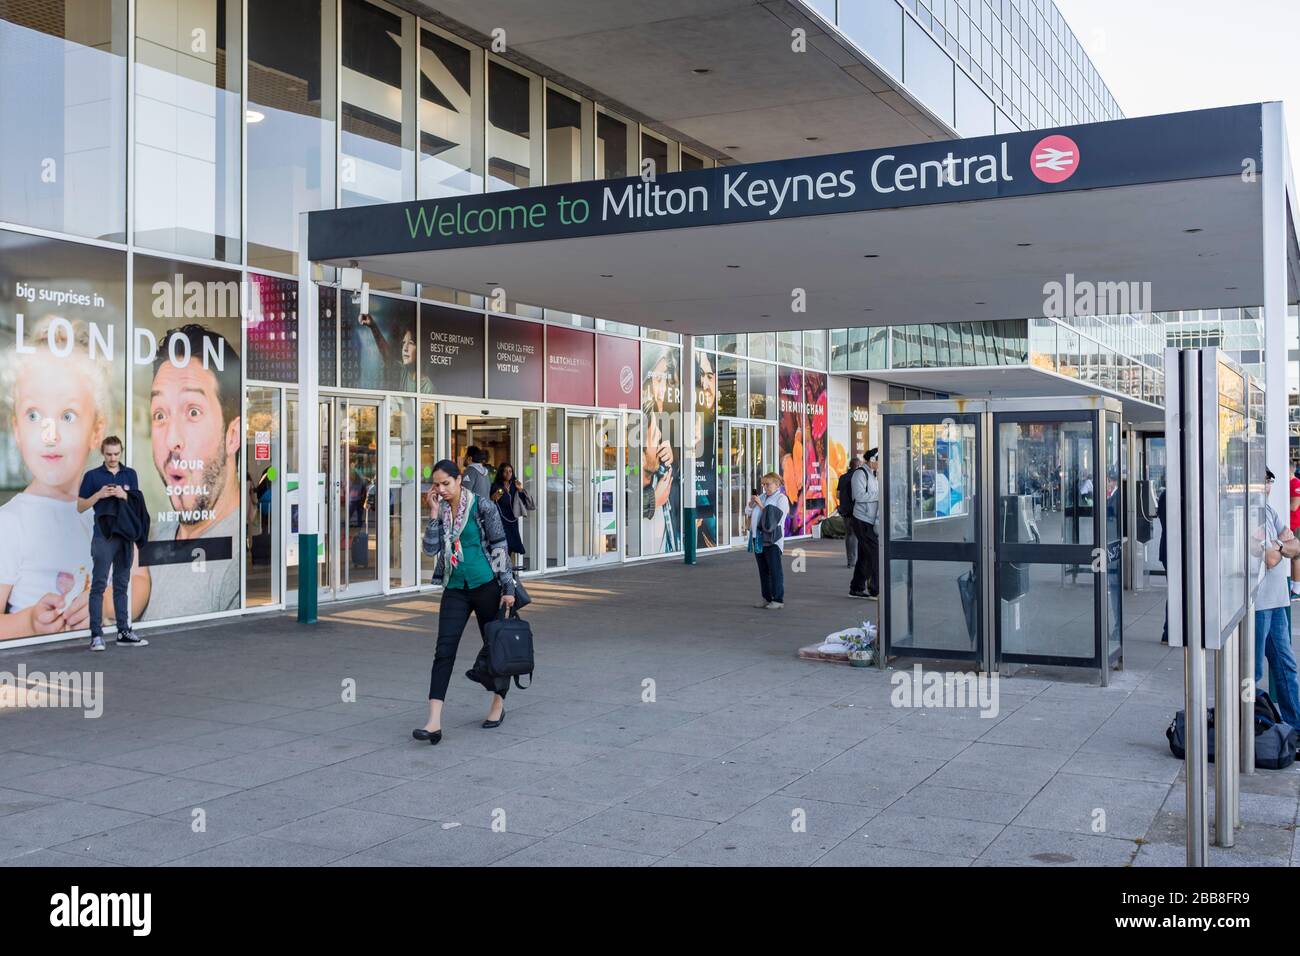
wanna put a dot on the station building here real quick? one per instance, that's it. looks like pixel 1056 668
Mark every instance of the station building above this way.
pixel 156 155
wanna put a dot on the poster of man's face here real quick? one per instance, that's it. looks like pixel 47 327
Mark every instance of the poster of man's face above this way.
pixel 186 435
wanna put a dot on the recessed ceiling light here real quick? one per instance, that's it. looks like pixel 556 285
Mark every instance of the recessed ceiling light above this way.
pixel 489 283
pixel 1024 245
pixel 764 316
pixel 812 139
pixel 254 116
pixel 667 320
pixel 701 70
pixel 868 310
pixel 1231 288
pixel 981 303
pixel 607 275
pixel 731 147
pixel 872 255
pixel 1189 231
pixel 733 267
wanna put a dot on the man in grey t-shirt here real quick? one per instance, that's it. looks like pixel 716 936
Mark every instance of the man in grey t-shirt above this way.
pixel 1277 543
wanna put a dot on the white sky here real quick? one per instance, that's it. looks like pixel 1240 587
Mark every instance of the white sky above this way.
pixel 1162 56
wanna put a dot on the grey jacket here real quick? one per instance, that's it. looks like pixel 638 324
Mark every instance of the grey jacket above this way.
pixel 492 539
pixel 866 496
pixel 477 479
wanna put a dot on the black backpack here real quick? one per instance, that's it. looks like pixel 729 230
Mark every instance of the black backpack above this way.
pixel 844 491
pixel 510 648
pixel 1275 740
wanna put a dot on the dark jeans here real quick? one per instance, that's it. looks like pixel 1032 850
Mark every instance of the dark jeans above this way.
pixel 865 576
pixel 771 573
pixel 453 615
pixel 105 554
pixel 1273 643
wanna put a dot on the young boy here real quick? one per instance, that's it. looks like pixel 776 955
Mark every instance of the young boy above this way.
pixel 58 413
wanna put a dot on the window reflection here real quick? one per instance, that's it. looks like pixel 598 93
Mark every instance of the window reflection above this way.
pixel 374 165
pixel 290 123
pixel 509 128
pixel 187 127
pixel 63 104
pixel 450 104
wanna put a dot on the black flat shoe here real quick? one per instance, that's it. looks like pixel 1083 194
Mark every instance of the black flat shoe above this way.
pixel 433 736
pixel 489 724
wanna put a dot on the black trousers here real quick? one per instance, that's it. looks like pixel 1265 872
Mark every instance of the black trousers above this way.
pixel 865 571
pixel 453 614
pixel 771 574
pixel 105 554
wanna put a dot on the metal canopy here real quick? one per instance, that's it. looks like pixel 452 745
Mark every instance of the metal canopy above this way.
pixel 1164 213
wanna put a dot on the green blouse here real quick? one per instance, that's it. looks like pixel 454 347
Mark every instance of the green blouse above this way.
pixel 473 570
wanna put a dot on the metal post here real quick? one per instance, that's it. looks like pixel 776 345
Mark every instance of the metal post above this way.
pixel 1246 660
pixel 308 430
pixel 1225 744
pixel 1183 502
pixel 690 407
pixel 986 495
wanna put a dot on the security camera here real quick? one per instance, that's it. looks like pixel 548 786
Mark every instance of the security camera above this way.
pixel 350 279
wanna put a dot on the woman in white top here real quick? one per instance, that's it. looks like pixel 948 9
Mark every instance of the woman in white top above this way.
pixel 767 513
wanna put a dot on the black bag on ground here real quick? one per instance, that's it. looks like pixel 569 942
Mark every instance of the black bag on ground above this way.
pixel 1275 740
pixel 510 648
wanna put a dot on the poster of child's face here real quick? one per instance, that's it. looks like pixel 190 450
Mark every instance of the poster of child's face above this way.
pixel 379 346
pixel 63 355
pixel 186 435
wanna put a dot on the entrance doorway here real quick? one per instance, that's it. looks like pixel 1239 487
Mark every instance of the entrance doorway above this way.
pixel 350 459
pixel 496 434
pixel 749 449
pixel 594 489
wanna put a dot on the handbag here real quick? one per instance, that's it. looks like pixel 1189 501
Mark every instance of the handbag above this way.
pixel 510 648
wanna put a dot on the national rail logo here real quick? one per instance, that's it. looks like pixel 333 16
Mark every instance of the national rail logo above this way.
pixel 1054 159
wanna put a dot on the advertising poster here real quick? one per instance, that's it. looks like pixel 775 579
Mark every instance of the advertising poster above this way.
pixel 452 362
pixel 815 472
pixel 378 347
pixel 860 415
pixel 516 360
pixel 790 438
pixel 837 438
pixel 271 329
pixel 661 449
pixel 706 451
pixel 327 322
pixel 63 358
pixel 618 370
pixel 570 366
pixel 186 434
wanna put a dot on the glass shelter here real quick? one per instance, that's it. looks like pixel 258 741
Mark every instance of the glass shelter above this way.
pixel 1002 539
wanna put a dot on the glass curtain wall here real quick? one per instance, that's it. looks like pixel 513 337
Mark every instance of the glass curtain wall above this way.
pixel 291 124
pixel 188 124
pixel 63 116
pixel 451 109
pixel 377 142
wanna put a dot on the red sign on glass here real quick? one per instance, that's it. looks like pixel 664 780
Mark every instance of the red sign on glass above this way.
pixel 618 372
pixel 570 366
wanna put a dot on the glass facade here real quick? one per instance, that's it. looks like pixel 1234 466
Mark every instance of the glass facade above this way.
pixel 246 113
pixel 982 66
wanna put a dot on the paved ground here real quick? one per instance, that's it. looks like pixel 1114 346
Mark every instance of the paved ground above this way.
pixel 242 727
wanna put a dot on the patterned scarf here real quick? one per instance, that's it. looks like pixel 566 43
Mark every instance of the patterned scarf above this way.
pixel 453 526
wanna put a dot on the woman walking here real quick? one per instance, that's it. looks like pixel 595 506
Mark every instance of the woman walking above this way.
pixel 465 533
pixel 767 513
pixel 514 502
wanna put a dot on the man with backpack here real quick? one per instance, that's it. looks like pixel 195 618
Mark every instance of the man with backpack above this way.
pixel 866 514
pixel 844 508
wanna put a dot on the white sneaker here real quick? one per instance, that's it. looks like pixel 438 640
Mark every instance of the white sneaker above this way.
pixel 774 604
pixel 762 604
